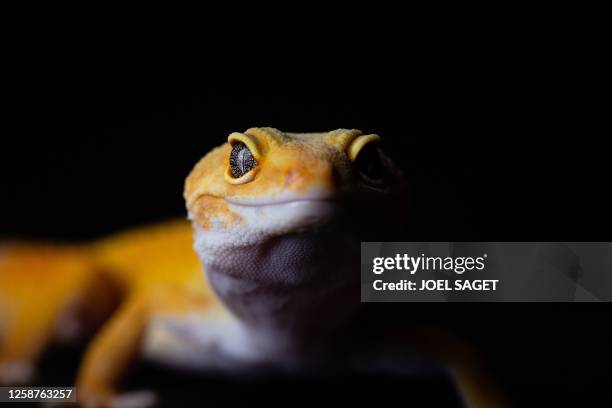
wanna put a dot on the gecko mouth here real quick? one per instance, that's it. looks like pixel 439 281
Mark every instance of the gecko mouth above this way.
pixel 287 204
pixel 296 214
pixel 280 214
pixel 282 200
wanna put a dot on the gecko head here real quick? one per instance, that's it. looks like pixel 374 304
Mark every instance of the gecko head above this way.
pixel 281 212
pixel 264 183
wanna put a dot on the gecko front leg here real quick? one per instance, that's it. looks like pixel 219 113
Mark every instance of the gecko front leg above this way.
pixel 120 342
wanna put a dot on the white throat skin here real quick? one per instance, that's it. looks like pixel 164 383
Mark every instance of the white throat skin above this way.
pixel 290 283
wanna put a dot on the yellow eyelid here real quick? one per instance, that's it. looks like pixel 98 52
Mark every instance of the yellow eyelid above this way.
pixel 240 180
pixel 249 141
pixel 358 144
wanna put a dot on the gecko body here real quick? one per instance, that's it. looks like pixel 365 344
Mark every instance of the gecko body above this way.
pixel 264 274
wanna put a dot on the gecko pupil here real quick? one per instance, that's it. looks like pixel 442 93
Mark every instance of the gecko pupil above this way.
pixel 241 160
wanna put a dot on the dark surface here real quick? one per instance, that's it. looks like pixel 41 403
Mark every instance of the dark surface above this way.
pixel 499 141
pixel 183 388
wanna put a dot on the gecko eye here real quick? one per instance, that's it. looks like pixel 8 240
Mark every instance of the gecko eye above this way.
pixel 369 163
pixel 241 160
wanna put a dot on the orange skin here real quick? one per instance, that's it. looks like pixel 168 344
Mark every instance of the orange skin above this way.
pixel 152 270
pixel 295 167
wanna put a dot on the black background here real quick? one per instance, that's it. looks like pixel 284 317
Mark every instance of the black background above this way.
pixel 500 141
